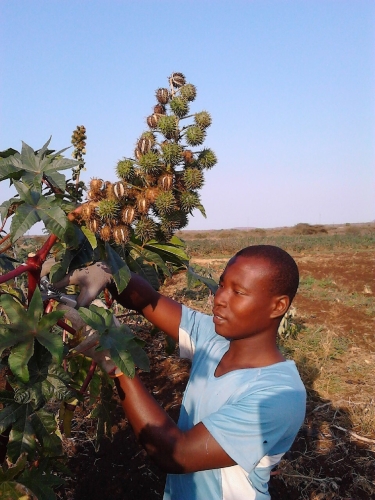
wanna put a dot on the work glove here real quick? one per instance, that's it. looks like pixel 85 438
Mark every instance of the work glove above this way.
pixel 91 279
pixel 91 339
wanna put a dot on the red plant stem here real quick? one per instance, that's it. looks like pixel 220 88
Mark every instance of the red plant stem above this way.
pixel 88 378
pixel 66 327
pixel 23 268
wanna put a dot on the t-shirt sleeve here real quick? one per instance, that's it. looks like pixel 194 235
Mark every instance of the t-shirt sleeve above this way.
pixel 248 429
pixel 192 323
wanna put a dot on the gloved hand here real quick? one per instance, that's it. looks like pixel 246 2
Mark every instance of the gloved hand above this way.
pixel 91 280
pixel 90 339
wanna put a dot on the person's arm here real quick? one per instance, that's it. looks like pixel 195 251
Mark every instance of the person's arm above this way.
pixel 173 450
pixel 161 311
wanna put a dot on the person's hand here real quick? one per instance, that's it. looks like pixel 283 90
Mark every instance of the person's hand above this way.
pixel 91 280
pixel 90 339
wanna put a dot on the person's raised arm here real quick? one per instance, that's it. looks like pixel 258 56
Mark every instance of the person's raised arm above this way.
pixel 161 311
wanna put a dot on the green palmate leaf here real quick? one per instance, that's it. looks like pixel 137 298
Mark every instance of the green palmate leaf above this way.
pixel 122 346
pixel 14 310
pixel 57 180
pixel 12 490
pixel 120 271
pixel 4 207
pixel 13 471
pixel 150 257
pixel 19 358
pixel 91 238
pixel 25 218
pixel 8 152
pixel 209 282
pixel 171 253
pixel 143 269
pixel 9 415
pixel 45 428
pixel 40 483
pixel 11 167
pixel 103 414
pixel 22 436
pixel 93 318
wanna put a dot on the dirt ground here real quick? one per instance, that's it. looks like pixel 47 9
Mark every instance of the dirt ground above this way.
pixel 330 459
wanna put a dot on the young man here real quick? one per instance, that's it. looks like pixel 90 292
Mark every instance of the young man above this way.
pixel 244 402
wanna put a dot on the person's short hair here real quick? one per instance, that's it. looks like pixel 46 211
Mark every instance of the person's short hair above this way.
pixel 285 278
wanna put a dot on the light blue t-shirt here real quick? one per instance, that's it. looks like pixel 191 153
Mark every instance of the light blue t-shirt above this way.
pixel 254 414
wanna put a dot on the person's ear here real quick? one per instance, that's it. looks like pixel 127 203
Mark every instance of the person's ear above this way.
pixel 280 306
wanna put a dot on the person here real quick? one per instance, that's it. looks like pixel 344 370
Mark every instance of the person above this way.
pixel 244 402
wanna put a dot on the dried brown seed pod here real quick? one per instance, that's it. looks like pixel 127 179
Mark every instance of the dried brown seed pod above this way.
pixel 96 185
pixel 106 233
pixel 128 214
pixel 159 109
pixel 121 234
pixel 152 121
pixel 177 80
pixel 188 156
pixel 143 204
pixel 165 182
pixel 162 95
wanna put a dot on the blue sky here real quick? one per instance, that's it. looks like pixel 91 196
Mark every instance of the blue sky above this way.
pixel 289 85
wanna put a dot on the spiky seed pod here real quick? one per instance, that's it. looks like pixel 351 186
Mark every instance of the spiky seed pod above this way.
pixel 137 154
pixel 125 169
pixel 120 190
pixel 106 233
pixel 94 225
pixel 145 229
pixel 168 126
pixel 159 109
pixel 108 209
pixel 188 201
pixel 195 135
pixel 149 135
pixel 193 178
pixel 88 210
pixel 177 80
pixel 152 193
pixel 143 204
pixel 179 106
pixel 109 193
pixel 171 223
pixel 179 183
pixel 165 203
pixel 121 234
pixel 206 158
pixel 188 92
pixel 172 153
pixel 165 182
pixel 128 214
pixel 96 185
pixel 162 95
pixel 203 119
pixel 144 145
pixel 150 162
pixel 188 156
pixel 93 196
pixel 152 120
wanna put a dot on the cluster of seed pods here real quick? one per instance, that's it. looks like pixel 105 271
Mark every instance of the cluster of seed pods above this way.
pixel 159 186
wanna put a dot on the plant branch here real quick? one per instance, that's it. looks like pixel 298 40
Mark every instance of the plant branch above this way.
pixel 354 435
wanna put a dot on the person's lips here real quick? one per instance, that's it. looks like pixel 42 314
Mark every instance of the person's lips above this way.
pixel 218 318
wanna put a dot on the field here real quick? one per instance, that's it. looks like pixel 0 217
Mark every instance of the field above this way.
pixel 331 338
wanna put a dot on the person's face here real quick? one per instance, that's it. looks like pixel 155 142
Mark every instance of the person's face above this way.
pixel 243 304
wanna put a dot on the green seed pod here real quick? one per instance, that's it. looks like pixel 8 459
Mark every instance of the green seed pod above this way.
pixel 195 135
pixel 165 182
pixel 168 126
pixel 149 162
pixel 203 119
pixel 188 201
pixel 121 234
pixel 179 106
pixel 165 203
pixel 188 92
pixel 106 233
pixel 162 95
pixel 108 209
pixel 145 229
pixel 125 169
pixel 173 222
pixel 177 80
pixel 128 214
pixel 172 153
pixel 206 158
pixel 193 178
pixel 152 121
pixel 159 109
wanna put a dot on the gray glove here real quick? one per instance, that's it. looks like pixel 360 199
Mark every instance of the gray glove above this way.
pixel 91 279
